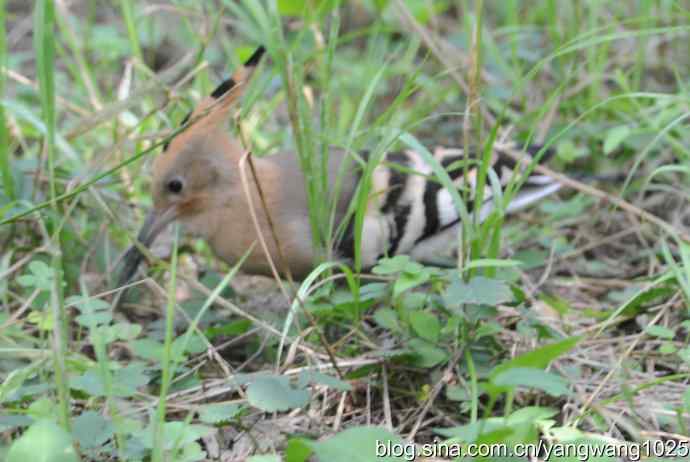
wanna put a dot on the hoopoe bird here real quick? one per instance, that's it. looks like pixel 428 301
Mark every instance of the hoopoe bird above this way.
pixel 196 181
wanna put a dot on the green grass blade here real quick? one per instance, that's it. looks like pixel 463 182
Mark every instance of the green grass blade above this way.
pixel 168 360
pixel 5 170
pixel 44 48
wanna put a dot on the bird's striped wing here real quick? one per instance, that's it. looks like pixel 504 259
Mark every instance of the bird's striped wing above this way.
pixel 411 213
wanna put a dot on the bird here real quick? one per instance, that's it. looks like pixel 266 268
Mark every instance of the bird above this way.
pixel 196 181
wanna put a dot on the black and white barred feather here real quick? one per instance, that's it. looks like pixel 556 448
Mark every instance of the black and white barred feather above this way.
pixel 413 214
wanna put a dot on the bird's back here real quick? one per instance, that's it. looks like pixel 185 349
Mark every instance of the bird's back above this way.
pixel 408 210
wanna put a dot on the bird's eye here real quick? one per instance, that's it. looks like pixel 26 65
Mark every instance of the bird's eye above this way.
pixel 175 186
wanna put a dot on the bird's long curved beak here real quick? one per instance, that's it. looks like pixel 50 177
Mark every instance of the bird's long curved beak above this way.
pixel 155 222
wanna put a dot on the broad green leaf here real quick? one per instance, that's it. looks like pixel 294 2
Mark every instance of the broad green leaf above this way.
pixel 44 441
pixel 427 355
pixel 274 393
pixel 573 207
pixel 531 414
pixel 615 137
pixel 387 318
pixel 40 276
pixel 361 444
pixel 531 377
pixel 684 354
pixel 9 422
pixel 479 290
pixel 538 358
pixel 394 265
pixel 42 408
pixel 230 329
pixel 667 348
pixel 469 433
pixel 426 325
pixel 87 304
pixel 297 450
pixel 92 429
pixel 94 319
pixel 304 7
pixel 177 434
pixel 125 381
pixel 15 380
pixel 408 280
pixel 521 426
pixel 220 412
pixel 42 319
pixel 315 377
pixel 151 349
pixel 265 458
pixel 569 152
pixel 457 393
pixel 660 331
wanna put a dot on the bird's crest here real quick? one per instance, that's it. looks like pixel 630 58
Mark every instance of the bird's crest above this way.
pixel 214 110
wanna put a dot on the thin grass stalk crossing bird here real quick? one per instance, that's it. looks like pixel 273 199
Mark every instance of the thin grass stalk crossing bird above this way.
pixel 196 181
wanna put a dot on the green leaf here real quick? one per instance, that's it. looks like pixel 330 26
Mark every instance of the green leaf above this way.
pixel 15 380
pixel 660 331
pixel 229 329
pixel 426 325
pixel 427 355
pixel 469 433
pixel 531 414
pixel 667 348
pixel 274 393
pixel 538 358
pixel 95 319
pixel 42 408
pixel 315 377
pixel 424 10
pixel 40 276
pixel 304 7
pixel 42 319
pixel 479 290
pixel 387 318
pixel 11 422
pixel 615 137
pixel 218 413
pixel 457 393
pixel 408 280
pixel 531 377
pixel 94 311
pixel 125 381
pixel 92 429
pixel 569 152
pixel 394 265
pixel 297 450
pixel 87 304
pixel 491 263
pixel 361 444
pixel 684 354
pixel 44 441
pixel 177 434
pixel 265 458
pixel 561 306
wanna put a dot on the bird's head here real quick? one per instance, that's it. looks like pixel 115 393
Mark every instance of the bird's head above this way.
pixel 190 175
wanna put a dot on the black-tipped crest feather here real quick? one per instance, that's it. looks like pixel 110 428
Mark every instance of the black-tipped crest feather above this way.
pixel 255 57
pixel 228 84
